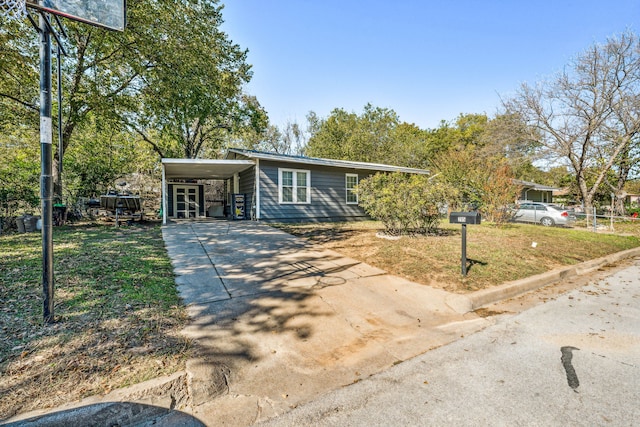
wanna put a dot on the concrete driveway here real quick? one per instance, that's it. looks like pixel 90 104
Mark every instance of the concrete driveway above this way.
pixel 278 322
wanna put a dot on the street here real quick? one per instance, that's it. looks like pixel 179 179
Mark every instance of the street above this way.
pixel 572 361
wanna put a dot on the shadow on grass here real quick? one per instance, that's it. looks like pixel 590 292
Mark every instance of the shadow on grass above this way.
pixel 473 262
pixel 117 312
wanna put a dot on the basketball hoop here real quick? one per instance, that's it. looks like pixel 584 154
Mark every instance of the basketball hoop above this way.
pixel 13 9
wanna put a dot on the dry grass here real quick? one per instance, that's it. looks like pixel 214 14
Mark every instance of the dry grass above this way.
pixel 118 315
pixel 495 254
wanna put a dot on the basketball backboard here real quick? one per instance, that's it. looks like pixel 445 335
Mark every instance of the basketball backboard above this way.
pixel 110 14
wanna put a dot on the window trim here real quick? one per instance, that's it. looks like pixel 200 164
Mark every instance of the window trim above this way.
pixel 294 186
pixel 352 190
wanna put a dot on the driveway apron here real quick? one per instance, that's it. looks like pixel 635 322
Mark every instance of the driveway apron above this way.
pixel 280 322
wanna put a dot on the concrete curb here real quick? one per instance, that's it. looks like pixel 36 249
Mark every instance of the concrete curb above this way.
pixel 151 399
pixel 466 303
pixel 160 398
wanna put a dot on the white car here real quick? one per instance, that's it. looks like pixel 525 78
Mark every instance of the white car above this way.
pixel 543 213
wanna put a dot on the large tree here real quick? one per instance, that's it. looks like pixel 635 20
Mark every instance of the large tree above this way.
pixel 172 76
pixel 588 116
pixel 377 135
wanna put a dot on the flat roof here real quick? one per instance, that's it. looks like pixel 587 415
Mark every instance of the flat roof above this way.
pixel 261 155
pixel 203 168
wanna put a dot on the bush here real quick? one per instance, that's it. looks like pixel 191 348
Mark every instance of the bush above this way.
pixel 405 203
pixel 632 209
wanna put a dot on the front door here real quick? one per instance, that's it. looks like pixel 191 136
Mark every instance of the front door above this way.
pixel 186 201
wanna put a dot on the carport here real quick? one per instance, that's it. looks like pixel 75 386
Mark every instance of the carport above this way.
pixel 174 170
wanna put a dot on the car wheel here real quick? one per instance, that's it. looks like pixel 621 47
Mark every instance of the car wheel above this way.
pixel 547 222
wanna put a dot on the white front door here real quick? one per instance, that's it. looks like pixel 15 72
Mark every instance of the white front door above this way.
pixel 186 201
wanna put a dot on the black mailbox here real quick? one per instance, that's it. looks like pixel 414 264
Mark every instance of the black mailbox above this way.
pixel 464 218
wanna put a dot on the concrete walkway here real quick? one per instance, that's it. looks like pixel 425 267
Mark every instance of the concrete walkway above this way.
pixel 278 323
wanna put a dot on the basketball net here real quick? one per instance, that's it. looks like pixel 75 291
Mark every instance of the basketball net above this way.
pixel 13 9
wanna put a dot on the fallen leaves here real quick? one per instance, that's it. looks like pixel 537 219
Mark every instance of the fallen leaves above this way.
pixel 118 316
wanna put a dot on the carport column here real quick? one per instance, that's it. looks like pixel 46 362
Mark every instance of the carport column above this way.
pixel 257 190
pixel 164 197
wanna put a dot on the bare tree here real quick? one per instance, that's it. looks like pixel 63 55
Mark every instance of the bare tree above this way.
pixel 588 116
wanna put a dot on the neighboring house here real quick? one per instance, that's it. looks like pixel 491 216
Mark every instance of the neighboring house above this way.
pixel 632 199
pixel 268 187
pixel 535 192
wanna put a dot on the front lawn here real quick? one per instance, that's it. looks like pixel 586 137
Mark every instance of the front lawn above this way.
pixel 118 315
pixel 496 254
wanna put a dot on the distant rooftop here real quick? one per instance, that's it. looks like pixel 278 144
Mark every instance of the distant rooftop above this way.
pixel 534 185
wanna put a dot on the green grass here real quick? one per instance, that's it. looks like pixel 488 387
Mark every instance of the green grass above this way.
pixel 497 254
pixel 117 311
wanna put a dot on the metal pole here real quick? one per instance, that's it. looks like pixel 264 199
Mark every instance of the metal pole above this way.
pixel 464 249
pixel 46 183
pixel 60 142
pixel 612 206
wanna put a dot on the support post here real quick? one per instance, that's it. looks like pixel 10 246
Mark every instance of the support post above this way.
pixel 464 249
pixel 46 181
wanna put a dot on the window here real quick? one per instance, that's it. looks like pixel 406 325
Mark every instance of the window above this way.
pixel 351 181
pixel 294 186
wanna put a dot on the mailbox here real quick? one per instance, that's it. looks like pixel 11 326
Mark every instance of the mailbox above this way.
pixel 464 218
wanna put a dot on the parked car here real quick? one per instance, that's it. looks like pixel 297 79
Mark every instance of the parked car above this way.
pixel 543 213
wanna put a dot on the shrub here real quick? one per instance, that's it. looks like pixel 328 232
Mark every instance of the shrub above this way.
pixel 405 203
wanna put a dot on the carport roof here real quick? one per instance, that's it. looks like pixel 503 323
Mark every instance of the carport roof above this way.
pixel 203 168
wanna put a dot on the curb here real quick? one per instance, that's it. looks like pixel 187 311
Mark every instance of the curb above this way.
pixel 160 401
pixel 466 303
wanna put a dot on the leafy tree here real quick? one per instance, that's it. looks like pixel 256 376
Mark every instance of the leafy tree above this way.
pixel 498 192
pixel 484 183
pixel 374 136
pixel 172 76
pixel 589 114
pixel 19 172
pixel 291 139
pixel 459 168
pixel 101 155
pixel 377 135
pixel 412 147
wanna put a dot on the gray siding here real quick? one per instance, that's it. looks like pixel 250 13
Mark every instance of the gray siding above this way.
pixel 328 194
pixel 246 186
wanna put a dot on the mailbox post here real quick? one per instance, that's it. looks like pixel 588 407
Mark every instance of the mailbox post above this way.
pixel 464 218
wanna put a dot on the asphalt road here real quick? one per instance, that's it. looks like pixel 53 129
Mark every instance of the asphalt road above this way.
pixel 572 361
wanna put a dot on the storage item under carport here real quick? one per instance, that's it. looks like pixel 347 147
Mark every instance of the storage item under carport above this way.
pixel 238 206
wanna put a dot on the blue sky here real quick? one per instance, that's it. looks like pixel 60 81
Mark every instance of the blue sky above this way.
pixel 428 60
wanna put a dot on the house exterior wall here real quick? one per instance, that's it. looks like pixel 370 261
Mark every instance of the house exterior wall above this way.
pixel 247 185
pixel 536 195
pixel 327 196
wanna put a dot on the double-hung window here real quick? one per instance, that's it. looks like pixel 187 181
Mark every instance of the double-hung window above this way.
pixel 294 186
pixel 351 182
